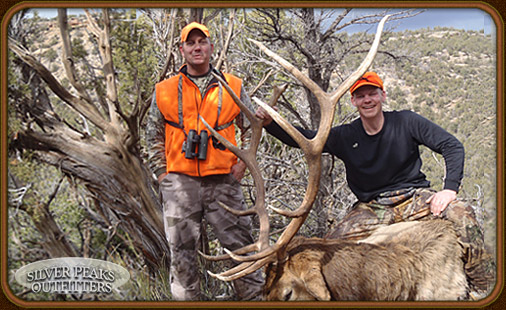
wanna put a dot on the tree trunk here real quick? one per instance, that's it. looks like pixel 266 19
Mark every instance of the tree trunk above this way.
pixel 109 163
pixel 114 176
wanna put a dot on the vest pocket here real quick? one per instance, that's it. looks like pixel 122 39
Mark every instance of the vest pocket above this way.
pixel 176 162
pixel 218 160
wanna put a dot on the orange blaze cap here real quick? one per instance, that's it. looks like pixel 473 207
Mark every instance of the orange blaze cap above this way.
pixel 369 78
pixel 191 26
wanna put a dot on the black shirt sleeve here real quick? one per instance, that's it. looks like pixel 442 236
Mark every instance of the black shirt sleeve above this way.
pixel 440 141
pixel 274 129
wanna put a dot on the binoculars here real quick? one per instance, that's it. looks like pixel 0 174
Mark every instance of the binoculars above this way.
pixel 196 145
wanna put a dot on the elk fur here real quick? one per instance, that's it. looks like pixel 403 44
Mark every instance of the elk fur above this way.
pixel 405 261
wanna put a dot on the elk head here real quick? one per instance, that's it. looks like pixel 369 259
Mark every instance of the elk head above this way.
pixel 297 278
pixel 261 253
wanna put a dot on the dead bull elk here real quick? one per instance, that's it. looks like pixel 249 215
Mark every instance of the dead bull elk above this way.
pixel 415 263
pixel 398 269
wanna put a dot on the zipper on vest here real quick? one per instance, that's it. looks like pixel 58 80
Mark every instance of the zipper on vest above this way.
pixel 198 104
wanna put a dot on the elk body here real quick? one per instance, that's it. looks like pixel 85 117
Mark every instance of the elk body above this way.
pixel 406 261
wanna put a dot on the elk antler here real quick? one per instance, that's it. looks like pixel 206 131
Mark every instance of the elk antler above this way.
pixel 312 149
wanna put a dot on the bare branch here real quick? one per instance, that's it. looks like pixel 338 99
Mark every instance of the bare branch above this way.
pixel 67 59
pixel 89 111
pixel 104 47
pixel 225 47
pixel 333 27
pixel 262 82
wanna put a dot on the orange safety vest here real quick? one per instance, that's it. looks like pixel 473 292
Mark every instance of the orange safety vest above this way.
pixel 181 103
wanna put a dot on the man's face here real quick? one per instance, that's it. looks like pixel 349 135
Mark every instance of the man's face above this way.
pixel 197 52
pixel 368 99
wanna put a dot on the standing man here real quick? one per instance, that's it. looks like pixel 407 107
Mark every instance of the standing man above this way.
pixel 195 172
pixel 380 152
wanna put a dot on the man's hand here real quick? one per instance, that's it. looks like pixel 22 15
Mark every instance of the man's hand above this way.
pixel 263 115
pixel 238 170
pixel 440 200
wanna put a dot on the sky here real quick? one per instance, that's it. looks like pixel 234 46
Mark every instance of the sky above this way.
pixel 467 19
pixel 463 18
pixel 460 18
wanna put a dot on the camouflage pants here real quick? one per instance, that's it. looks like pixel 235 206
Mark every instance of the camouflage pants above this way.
pixel 186 201
pixel 410 205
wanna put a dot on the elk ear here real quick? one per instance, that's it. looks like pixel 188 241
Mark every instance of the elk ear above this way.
pixel 315 284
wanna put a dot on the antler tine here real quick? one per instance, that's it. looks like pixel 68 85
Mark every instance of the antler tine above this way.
pixel 256 124
pixel 238 255
pixel 294 133
pixel 248 211
pixel 339 92
pixel 243 269
pixel 249 114
pixel 244 250
pixel 320 95
pixel 310 84
pixel 278 91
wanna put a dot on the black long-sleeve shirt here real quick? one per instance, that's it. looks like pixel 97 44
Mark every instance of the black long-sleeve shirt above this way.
pixel 390 159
